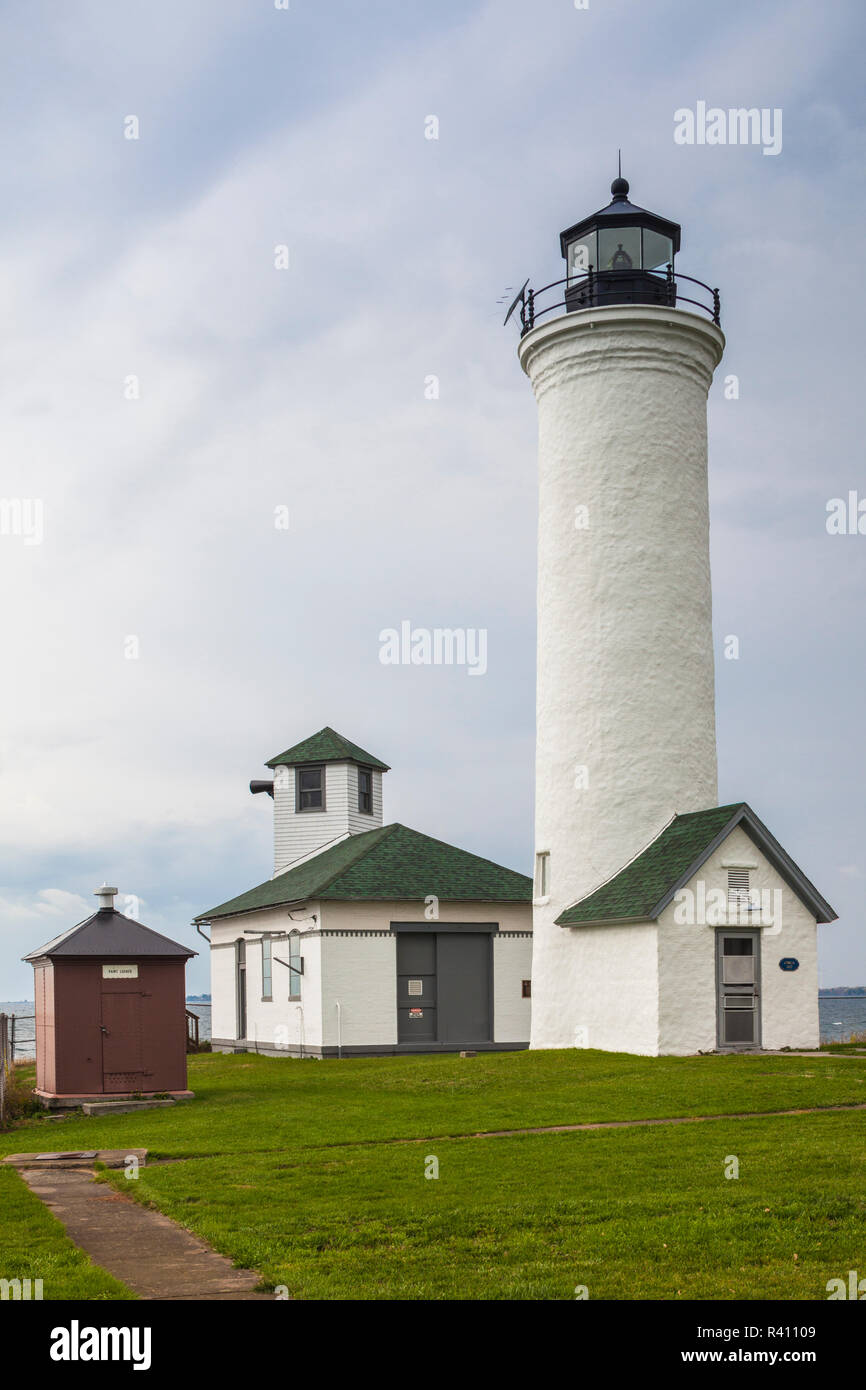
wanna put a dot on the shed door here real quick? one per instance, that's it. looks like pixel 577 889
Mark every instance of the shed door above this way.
pixel 738 978
pixel 122 1054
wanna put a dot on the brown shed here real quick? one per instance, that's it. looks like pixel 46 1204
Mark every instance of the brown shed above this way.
pixel 110 1010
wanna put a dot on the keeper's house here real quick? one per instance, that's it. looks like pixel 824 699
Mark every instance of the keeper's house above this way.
pixel 369 938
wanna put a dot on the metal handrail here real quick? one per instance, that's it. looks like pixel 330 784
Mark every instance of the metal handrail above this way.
pixel 669 277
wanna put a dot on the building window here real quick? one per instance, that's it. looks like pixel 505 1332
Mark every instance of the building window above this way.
pixel 296 965
pixel 365 790
pixel 542 874
pixel 311 789
pixel 266 968
pixel 526 989
pixel 241 986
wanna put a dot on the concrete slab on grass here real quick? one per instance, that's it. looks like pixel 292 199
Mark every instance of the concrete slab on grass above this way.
pixel 78 1159
pixel 122 1107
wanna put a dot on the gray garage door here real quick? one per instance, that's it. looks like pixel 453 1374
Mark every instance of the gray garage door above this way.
pixel 444 987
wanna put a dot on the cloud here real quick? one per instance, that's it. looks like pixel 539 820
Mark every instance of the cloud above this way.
pixel 45 904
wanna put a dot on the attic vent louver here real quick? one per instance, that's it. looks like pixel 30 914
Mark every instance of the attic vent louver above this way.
pixel 738 887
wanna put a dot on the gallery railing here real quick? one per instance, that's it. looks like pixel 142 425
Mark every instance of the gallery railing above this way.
pixel 597 289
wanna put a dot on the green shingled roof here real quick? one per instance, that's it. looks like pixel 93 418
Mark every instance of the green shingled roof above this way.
pixel 327 746
pixel 638 891
pixel 391 862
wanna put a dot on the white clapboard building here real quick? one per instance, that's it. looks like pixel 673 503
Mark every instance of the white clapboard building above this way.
pixel 368 938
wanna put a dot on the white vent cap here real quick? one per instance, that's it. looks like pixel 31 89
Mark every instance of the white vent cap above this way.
pixel 106 897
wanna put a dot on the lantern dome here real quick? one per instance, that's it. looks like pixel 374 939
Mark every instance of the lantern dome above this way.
pixel 623 254
pixel 611 254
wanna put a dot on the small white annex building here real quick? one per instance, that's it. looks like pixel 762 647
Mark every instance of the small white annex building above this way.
pixel 706 941
pixel 368 938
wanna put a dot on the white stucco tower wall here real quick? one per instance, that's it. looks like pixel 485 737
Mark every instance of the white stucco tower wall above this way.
pixel 625 686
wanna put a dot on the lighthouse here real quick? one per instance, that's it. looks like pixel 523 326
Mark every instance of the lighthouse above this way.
pixel 662 922
pixel 620 364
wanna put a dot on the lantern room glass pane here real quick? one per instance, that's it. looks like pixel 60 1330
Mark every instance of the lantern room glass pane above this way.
pixel 582 255
pixel 657 250
pixel 619 248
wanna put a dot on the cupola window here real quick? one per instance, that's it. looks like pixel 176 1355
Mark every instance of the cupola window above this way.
pixel 311 789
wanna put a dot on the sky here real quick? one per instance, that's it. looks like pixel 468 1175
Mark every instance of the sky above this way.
pixel 167 390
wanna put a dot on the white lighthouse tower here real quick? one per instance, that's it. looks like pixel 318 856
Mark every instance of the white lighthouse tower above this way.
pixel 620 362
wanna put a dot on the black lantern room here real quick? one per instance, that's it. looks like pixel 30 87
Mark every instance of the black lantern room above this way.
pixel 621 255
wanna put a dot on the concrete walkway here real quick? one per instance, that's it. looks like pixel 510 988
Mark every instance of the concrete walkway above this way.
pixel 152 1255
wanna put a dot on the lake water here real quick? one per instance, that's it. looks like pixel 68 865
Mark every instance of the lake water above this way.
pixel 840 1016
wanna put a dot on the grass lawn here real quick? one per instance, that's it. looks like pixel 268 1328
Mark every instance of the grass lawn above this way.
pixel 286 1167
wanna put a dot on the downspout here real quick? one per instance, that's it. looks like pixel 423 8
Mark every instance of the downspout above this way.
pixel 207 939
pixel 300 1010
pixel 339 1009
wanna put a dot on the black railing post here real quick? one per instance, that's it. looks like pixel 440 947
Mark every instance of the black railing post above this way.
pixel 671 292
pixel 590 287
pixel 717 309
pixel 530 304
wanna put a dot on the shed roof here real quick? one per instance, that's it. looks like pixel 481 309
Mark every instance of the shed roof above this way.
pixel 643 888
pixel 327 746
pixel 389 863
pixel 110 933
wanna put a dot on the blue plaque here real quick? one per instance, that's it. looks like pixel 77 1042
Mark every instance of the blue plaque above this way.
pixel 789 963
